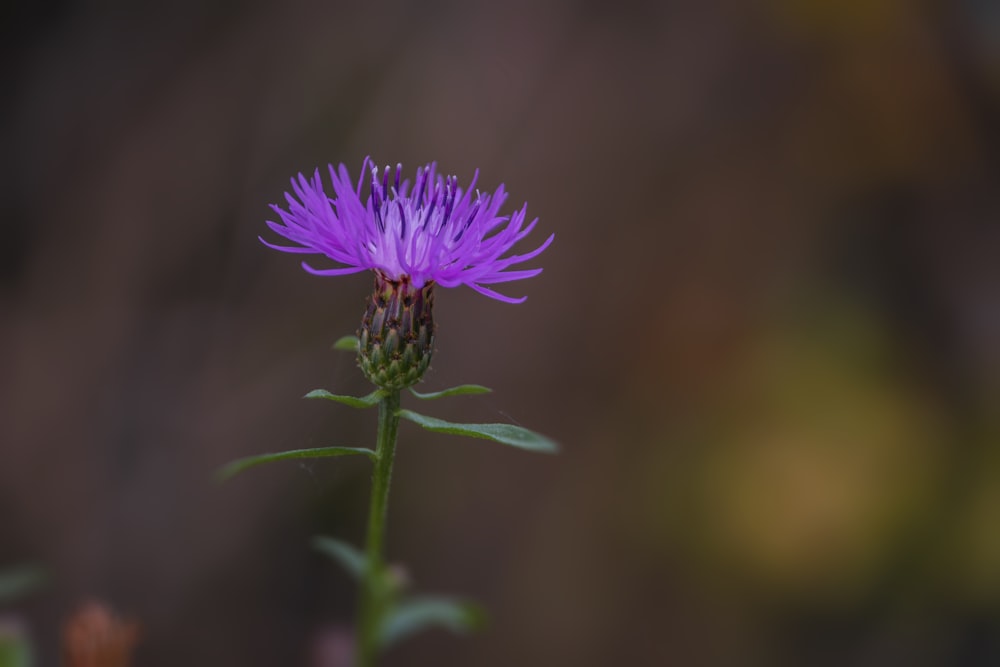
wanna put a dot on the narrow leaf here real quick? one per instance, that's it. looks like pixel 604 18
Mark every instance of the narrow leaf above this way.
pixel 352 559
pixel 460 390
pixel 416 614
pixel 353 401
pixel 347 343
pixel 507 434
pixel 16 582
pixel 239 465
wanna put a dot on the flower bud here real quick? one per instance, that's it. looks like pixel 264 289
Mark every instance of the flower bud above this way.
pixel 397 333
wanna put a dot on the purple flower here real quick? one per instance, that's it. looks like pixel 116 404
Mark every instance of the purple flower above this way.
pixel 436 233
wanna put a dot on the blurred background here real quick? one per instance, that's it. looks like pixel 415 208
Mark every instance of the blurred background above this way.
pixel 767 334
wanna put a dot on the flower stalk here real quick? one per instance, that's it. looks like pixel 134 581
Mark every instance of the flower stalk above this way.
pixel 415 237
pixel 375 587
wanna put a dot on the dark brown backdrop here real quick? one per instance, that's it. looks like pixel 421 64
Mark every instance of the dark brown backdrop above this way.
pixel 767 333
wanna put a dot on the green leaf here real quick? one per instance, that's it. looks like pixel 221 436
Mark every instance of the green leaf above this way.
pixel 507 434
pixel 15 650
pixel 351 558
pixel 18 581
pixel 353 401
pixel 460 390
pixel 419 613
pixel 347 343
pixel 239 465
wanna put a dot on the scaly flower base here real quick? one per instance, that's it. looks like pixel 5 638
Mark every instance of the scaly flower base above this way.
pixel 397 333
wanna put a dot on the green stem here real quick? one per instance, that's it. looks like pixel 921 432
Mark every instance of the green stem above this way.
pixel 374 591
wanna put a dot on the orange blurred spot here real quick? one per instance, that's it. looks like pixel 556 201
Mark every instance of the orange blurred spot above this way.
pixel 95 637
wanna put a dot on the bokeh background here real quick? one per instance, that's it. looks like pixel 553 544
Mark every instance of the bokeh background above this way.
pixel 767 335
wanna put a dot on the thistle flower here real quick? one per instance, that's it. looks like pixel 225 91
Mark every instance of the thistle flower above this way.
pixel 413 239
pixel 434 233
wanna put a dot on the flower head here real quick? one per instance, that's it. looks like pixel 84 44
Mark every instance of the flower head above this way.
pixel 434 233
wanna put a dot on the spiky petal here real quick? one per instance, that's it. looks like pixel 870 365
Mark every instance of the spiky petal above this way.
pixel 433 233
